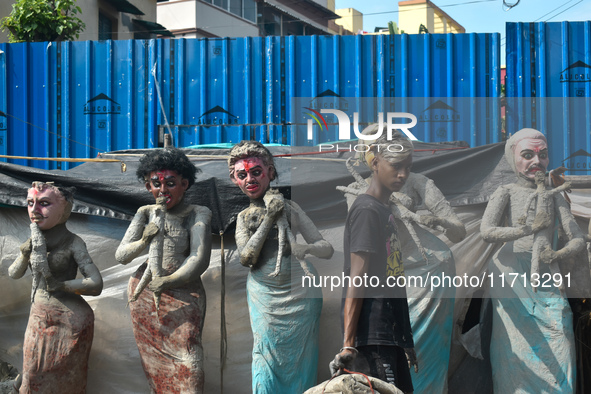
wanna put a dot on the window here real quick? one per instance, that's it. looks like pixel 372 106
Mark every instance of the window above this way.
pixel 250 10
pixel 246 9
pixel 221 3
pixel 105 27
pixel 236 7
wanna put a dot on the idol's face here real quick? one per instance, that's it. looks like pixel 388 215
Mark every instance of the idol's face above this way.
pixel 169 184
pixel 47 207
pixel 252 176
pixel 531 156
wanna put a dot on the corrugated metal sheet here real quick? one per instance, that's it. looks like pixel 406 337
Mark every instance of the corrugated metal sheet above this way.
pixel 548 87
pixel 76 99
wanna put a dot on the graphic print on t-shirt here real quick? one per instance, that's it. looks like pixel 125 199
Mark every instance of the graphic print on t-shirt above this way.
pixel 394 265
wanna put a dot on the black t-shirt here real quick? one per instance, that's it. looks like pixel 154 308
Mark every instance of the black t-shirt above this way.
pixel 384 318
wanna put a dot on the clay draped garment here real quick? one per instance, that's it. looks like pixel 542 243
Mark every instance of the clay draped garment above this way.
pixel 532 346
pixel 534 331
pixel 57 344
pixel 169 341
pixel 285 321
pixel 431 309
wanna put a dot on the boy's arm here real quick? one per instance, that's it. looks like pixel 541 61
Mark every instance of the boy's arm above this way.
pixel 354 300
pixel 352 310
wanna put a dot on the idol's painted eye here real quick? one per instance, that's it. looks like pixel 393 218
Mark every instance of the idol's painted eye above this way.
pixel 257 172
pixel 45 203
pixel 241 175
pixel 30 203
pixel 156 184
pixel 527 155
pixel 171 184
pixel 543 155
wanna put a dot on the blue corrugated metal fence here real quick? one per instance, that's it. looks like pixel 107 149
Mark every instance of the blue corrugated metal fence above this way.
pixel 548 87
pixel 76 99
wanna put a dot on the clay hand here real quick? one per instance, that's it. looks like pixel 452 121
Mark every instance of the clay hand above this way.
pixel 541 221
pixel 149 232
pixel 411 357
pixel 158 284
pixel 53 284
pixel 274 207
pixel 558 171
pixel 548 255
pixel 27 247
pixel 429 220
pixel 299 251
pixel 342 360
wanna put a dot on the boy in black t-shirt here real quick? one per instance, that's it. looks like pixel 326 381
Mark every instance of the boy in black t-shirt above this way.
pixel 377 332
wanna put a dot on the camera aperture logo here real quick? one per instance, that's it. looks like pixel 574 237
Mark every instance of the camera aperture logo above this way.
pixel 344 127
pixel 315 115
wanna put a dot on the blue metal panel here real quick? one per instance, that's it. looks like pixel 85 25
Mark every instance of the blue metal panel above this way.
pixel 437 66
pixel 3 97
pixel 76 99
pixel 549 87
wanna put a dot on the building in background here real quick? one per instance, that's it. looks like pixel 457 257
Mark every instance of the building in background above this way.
pixel 110 19
pixel 351 20
pixel 422 16
pixel 248 18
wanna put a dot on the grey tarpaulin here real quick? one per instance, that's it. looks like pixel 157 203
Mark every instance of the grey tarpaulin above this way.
pixel 104 190
pixel 107 198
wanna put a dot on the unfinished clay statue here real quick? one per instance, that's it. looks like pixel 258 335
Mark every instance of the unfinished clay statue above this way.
pixel 284 315
pixel 533 328
pixel 166 295
pixel 423 254
pixel 61 324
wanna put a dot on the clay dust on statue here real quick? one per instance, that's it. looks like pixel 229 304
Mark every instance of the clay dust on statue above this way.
pixel 284 315
pixel 543 238
pixel 38 259
pixel 285 235
pixel 155 253
pixel 399 210
pixel 166 295
pixel 525 312
pixel 60 322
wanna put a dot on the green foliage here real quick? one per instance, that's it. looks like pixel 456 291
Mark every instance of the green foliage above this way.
pixel 43 20
pixel 393 27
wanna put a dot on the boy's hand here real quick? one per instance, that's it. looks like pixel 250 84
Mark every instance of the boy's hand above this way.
pixel 411 357
pixel 344 359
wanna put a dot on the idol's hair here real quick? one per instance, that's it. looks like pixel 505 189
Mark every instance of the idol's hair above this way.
pixel 172 159
pixel 245 149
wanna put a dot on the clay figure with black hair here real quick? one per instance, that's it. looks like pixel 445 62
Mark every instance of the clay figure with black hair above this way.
pixel 166 295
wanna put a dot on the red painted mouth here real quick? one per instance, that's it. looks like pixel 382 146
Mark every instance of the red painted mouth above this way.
pixel 535 169
pixel 252 187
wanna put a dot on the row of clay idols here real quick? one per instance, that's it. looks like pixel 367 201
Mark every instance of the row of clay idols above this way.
pixel 178 239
